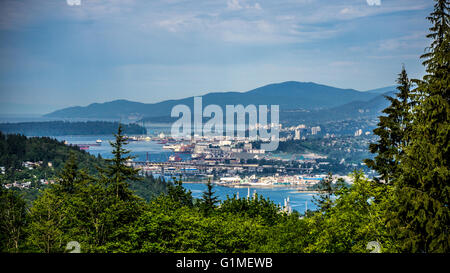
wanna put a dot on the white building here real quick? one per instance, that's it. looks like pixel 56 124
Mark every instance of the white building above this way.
pixel 315 130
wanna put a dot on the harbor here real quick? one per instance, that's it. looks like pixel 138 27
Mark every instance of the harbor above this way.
pixel 156 155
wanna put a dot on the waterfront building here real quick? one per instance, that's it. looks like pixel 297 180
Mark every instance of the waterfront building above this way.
pixel 315 130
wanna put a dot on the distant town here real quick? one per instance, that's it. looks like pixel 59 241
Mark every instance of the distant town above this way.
pixel 240 162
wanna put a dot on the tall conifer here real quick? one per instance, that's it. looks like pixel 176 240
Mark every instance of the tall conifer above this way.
pixel 117 172
pixel 421 216
pixel 392 132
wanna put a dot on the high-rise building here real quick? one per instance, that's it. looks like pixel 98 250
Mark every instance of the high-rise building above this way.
pixel 315 130
pixel 297 134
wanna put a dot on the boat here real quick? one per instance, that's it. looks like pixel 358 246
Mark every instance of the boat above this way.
pixel 169 147
pixel 175 158
pixel 184 149
pixel 131 138
pixel 99 141
pixel 83 146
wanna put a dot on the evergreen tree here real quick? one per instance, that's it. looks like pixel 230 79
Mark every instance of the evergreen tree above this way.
pixel 178 194
pixel 69 174
pixel 392 132
pixel 49 219
pixel 13 220
pixel 256 207
pixel 208 201
pixel 117 173
pixel 325 187
pixel 421 215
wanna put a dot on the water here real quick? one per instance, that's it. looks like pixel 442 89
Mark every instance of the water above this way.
pixel 298 200
pixel 139 149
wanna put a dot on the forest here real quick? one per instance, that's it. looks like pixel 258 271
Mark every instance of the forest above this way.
pixel 404 210
pixel 15 149
pixel 63 128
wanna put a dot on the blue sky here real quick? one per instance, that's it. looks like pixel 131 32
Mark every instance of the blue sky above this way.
pixel 59 53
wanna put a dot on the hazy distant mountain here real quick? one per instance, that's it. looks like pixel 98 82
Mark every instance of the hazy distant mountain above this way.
pixel 383 90
pixel 352 110
pixel 289 95
pixel 358 109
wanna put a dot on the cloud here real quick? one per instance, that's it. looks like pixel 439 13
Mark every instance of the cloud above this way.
pixel 374 2
pixel 414 41
pixel 246 21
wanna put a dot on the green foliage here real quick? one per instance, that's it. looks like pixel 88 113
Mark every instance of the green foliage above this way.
pixel 392 131
pixel 68 174
pixel 149 187
pixel 414 151
pixel 62 128
pixel 208 201
pixel 49 217
pixel 13 221
pixel 179 195
pixel 325 188
pixel 117 173
pixel 420 215
pixel 84 208
pixel 255 207
pixel 187 230
pixel 16 149
pixel 355 218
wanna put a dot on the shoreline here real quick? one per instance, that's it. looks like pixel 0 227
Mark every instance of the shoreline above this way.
pixel 294 187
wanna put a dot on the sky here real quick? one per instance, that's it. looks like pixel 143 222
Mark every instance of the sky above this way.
pixel 60 53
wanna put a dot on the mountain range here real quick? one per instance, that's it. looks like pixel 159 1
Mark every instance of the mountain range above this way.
pixel 304 98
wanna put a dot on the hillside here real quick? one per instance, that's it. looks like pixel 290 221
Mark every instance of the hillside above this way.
pixel 15 149
pixel 60 128
pixel 382 90
pixel 352 110
pixel 289 95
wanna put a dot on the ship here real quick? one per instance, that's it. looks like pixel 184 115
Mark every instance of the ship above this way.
pixel 175 158
pixel 184 149
pixel 83 146
pixel 169 147
pixel 131 138
pixel 196 156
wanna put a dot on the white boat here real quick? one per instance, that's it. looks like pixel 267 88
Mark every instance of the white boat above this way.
pixel 169 147
pixel 98 141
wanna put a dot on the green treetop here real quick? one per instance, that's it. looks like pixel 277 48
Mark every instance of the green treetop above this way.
pixel 392 132
pixel 421 213
pixel 117 172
